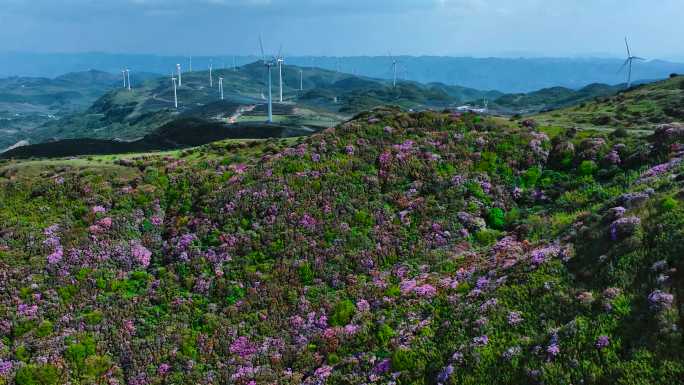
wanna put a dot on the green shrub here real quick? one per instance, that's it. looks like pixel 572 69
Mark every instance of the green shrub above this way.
pixel 587 167
pixel 407 360
pixel 333 359
pixel 37 375
pixel 393 291
pixel 496 218
pixel 94 317
pixel 77 352
pixel 96 367
pixel 23 327
pixel 306 274
pixel 235 293
pixel 385 334
pixel 363 218
pixel 669 203
pixel 44 329
pixel 531 176
pixel 22 353
pixel 343 313
pixel 486 237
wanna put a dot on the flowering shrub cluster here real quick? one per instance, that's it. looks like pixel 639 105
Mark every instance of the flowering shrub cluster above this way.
pixel 396 248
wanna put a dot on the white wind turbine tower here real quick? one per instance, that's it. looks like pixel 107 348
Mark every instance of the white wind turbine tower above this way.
pixel 128 76
pixel 221 86
pixel 280 60
pixel 190 68
pixel 628 63
pixel 180 75
pixel 395 66
pixel 175 91
pixel 211 75
pixel 123 73
pixel 269 65
pixel 394 70
pixel 301 80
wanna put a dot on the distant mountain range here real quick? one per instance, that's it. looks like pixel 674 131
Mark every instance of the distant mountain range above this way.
pixel 506 75
pixel 94 105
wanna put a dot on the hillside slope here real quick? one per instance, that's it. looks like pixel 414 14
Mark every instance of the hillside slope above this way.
pixel 641 107
pixel 408 248
pixel 178 134
pixel 327 96
pixel 27 103
pixel 552 98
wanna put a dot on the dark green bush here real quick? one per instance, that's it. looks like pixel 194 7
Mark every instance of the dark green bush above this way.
pixel 496 218
pixel 342 313
pixel 37 375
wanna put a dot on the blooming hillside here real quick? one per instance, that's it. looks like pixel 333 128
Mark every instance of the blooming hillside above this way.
pixel 401 248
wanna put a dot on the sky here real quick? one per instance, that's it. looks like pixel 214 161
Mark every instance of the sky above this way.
pixel 555 28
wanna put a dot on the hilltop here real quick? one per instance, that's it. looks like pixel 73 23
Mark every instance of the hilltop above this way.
pixel 397 247
pixel 639 108
pixel 552 98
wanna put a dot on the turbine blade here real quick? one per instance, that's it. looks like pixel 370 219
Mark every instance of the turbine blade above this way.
pixel 280 51
pixel 623 66
pixel 261 46
pixel 629 53
pixel 637 58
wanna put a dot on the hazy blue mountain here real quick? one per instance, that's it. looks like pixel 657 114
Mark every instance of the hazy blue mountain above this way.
pixel 508 75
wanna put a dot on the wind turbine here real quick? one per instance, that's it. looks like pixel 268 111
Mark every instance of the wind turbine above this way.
pixel 628 63
pixel 269 65
pixel 394 70
pixel 301 80
pixel 191 63
pixel 128 75
pixel 211 75
pixel 280 60
pixel 123 73
pixel 175 91
pixel 395 66
pixel 221 86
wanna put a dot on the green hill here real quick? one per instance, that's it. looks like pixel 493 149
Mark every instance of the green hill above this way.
pixel 29 103
pixel 177 134
pixel 327 96
pixel 639 108
pixel 397 247
pixel 552 98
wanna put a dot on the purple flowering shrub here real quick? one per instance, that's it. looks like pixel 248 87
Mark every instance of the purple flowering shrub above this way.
pixel 362 254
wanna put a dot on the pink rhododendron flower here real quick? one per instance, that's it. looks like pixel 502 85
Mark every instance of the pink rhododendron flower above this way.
pixel 141 254
pixel 362 305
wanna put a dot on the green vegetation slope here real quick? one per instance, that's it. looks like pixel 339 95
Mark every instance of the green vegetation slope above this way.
pixel 641 107
pixel 408 248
